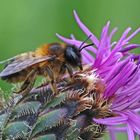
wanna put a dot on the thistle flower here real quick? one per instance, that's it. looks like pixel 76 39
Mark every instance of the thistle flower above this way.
pixel 117 104
pixel 104 97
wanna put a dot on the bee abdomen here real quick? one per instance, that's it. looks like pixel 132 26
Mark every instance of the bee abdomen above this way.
pixel 16 77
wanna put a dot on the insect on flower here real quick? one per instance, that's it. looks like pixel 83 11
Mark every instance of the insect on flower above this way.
pixel 50 60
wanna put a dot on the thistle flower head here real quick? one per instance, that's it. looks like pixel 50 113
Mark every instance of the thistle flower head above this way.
pixel 115 72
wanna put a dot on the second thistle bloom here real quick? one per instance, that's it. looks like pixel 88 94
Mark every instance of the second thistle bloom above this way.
pixel 117 79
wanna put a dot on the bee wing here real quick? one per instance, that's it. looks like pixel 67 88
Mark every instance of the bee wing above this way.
pixel 18 58
pixel 20 64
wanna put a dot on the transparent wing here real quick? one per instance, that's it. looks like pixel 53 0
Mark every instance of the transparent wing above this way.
pixel 18 57
pixel 20 63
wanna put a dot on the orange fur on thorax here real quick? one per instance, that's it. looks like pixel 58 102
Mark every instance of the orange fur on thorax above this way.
pixel 43 50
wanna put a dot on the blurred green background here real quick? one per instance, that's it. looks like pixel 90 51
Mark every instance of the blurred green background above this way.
pixel 26 24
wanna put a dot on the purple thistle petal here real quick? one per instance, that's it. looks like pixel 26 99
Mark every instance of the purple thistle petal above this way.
pixel 89 58
pixel 118 46
pixel 102 45
pixel 133 99
pixel 129 96
pixel 112 120
pixel 134 119
pixel 117 129
pixel 112 134
pixel 109 44
pixel 115 69
pixel 114 59
pixel 130 132
pixel 133 84
pixel 127 102
pixel 70 41
pixel 136 107
pixel 86 30
pixel 85 60
pixel 132 35
pixel 116 83
pixel 111 35
pixel 75 43
pixel 130 47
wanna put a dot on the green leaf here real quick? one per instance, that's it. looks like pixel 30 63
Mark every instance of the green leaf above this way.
pixel 73 131
pixel 49 120
pixel 46 137
pixel 56 101
pixel 16 130
pixel 74 135
pixel 3 118
pixel 75 127
pixel 27 108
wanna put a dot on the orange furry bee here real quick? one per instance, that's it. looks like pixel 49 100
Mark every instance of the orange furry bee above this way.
pixel 51 60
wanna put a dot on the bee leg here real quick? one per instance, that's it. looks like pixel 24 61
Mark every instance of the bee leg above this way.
pixel 28 83
pixel 63 69
pixel 51 76
pixel 70 71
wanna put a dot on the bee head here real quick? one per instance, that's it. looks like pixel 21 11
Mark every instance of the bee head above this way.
pixel 73 56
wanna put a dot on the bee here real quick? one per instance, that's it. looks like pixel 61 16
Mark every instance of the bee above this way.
pixel 50 60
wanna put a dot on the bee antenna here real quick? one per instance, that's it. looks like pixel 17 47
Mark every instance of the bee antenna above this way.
pixel 86 46
pixel 81 48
